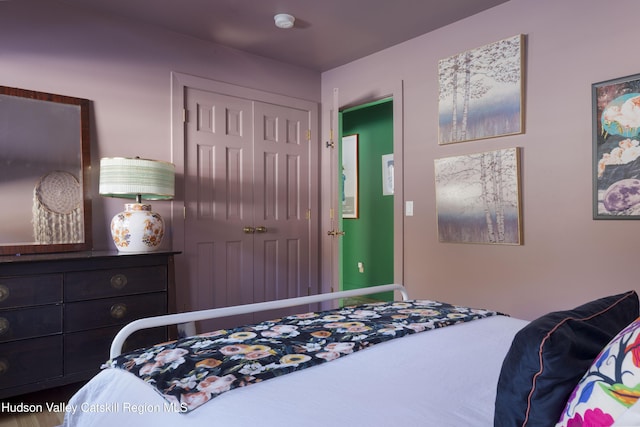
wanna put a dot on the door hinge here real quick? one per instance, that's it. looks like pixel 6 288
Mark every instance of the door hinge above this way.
pixel 331 213
pixel 184 212
pixel 308 214
pixel 185 115
pixel 308 134
pixel 330 143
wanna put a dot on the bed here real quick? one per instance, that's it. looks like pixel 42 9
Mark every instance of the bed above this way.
pixel 464 374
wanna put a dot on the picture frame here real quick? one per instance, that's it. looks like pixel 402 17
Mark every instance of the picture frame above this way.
pixel 616 148
pixel 478 198
pixel 387 175
pixel 350 176
pixel 481 92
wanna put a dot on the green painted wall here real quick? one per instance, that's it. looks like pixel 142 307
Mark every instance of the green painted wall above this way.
pixel 369 238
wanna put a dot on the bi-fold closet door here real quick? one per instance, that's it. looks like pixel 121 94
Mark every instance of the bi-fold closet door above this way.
pixel 247 201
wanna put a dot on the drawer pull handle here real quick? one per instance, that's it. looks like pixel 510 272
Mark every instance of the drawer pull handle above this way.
pixel 4 366
pixel 118 281
pixel 118 311
pixel 4 292
pixel 4 325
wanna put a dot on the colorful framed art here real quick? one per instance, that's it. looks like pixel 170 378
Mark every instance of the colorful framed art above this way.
pixel 616 148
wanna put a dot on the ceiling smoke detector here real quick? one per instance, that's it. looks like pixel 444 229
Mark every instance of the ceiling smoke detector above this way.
pixel 284 20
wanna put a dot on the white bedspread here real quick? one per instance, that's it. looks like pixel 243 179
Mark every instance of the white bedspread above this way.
pixel 445 377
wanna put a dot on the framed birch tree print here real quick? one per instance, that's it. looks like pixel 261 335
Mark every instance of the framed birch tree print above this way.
pixel 478 198
pixel 481 92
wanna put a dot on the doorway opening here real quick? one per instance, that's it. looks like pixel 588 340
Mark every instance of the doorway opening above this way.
pixel 367 246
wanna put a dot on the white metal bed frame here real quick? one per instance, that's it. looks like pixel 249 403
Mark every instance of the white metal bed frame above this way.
pixel 193 316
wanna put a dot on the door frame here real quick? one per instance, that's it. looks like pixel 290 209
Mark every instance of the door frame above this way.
pixel 341 100
pixel 179 82
pixel 361 149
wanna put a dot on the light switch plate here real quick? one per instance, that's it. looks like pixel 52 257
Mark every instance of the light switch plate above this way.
pixel 408 210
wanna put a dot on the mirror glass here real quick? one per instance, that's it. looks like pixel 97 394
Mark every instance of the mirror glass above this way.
pixel 44 165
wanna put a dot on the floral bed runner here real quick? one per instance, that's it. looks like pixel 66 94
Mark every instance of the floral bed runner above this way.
pixel 193 370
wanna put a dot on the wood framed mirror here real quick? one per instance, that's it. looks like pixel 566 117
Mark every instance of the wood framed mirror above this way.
pixel 44 172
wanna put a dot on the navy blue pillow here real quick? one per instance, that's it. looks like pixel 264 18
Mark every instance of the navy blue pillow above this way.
pixel 549 356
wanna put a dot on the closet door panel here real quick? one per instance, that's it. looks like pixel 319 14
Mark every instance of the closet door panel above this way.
pixel 282 153
pixel 219 202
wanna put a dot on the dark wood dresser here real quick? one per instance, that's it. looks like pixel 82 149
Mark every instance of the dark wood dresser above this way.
pixel 59 313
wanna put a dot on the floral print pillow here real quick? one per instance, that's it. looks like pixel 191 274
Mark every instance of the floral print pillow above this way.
pixel 610 386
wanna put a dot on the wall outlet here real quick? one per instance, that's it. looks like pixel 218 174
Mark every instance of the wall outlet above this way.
pixel 360 267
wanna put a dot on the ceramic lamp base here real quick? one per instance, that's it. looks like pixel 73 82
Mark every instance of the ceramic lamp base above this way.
pixel 137 229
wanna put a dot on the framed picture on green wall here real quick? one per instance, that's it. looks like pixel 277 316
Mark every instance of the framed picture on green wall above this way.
pixel 387 175
pixel 350 176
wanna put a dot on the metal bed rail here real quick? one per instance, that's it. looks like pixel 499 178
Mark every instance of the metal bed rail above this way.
pixel 193 316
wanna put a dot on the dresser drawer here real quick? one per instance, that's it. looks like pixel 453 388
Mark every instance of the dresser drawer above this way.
pixel 30 322
pixel 79 316
pixel 88 350
pixel 60 312
pixel 30 290
pixel 30 361
pixel 84 285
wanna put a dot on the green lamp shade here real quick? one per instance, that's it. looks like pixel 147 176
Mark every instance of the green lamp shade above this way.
pixel 129 177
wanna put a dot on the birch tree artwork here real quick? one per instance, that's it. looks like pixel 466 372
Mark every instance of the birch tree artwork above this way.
pixel 478 198
pixel 480 93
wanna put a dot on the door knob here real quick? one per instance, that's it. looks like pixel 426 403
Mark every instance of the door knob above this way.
pixel 261 229
pixel 335 233
pixel 249 230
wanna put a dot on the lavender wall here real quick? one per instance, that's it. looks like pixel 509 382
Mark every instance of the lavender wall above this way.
pixel 124 69
pixel 567 258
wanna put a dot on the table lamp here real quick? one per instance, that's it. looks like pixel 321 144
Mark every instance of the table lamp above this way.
pixel 137 229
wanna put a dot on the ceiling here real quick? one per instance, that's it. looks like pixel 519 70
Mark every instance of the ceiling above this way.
pixel 326 34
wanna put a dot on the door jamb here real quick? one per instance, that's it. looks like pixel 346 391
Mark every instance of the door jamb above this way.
pixel 330 265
